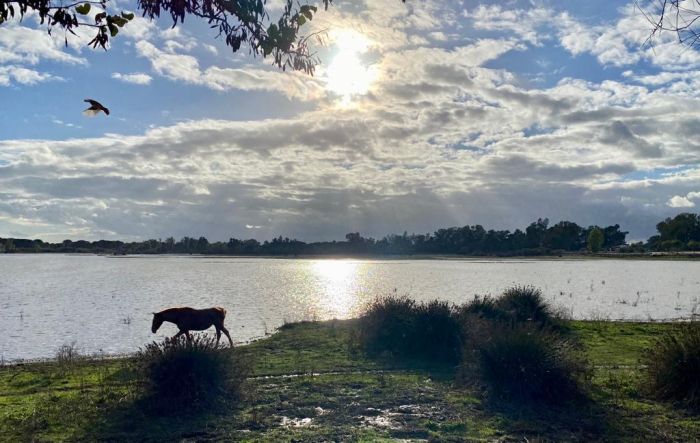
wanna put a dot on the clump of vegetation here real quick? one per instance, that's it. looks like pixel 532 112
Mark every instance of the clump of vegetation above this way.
pixel 530 365
pixel 405 328
pixel 673 366
pixel 482 307
pixel 67 354
pixel 519 304
pixel 182 376
pixel 527 304
pixel 513 344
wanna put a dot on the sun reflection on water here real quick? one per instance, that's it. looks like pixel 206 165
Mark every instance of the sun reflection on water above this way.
pixel 339 286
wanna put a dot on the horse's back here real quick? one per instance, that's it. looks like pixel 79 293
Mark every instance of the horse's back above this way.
pixel 197 319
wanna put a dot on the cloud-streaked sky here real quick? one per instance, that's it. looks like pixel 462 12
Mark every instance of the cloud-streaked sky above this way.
pixel 462 113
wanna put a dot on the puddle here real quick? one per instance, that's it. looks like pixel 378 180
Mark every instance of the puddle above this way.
pixel 400 417
pixel 296 422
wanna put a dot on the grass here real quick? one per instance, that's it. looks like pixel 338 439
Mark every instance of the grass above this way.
pixel 314 371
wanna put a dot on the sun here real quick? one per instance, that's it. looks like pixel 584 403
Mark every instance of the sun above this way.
pixel 347 75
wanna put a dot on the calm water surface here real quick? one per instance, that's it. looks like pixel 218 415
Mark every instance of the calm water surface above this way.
pixel 103 304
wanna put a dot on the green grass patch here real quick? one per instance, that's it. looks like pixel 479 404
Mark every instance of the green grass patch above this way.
pixel 353 399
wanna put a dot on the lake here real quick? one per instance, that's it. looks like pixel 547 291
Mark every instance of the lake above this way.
pixel 104 304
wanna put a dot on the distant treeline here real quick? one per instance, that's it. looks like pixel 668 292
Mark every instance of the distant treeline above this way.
pixel 539 238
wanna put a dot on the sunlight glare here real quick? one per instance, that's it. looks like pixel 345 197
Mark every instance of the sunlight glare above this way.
pixel 338 280
pixel 347 76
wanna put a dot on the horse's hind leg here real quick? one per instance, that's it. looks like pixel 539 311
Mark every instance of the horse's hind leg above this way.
pixel 218 336
pixel 225 331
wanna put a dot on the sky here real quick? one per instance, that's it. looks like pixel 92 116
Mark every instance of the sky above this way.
pixel 421 115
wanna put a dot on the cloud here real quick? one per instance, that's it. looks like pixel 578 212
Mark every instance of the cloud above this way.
pixel 182 67
pixel 23 44
pixel 23 76
pixel 678 201
pixel 441 138
pixel 137 78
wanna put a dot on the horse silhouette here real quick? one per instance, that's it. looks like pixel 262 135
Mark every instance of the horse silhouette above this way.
pixel 190 319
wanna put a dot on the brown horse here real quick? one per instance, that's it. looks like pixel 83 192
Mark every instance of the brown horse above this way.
pixel 189 319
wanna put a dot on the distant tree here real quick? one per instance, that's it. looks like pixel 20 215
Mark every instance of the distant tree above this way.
pixel 614 237
pixel 683 227
pixel 536 233
pixel 565 235
pixel 9 245
pixel 353 237
pixel 202 245
pixel 595 239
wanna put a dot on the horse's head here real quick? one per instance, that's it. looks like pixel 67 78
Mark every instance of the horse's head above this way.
pixel 157 321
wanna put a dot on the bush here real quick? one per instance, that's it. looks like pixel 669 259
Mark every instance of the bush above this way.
pixel 408 329
pixel 181 376
pixel 67 354
pixel 673 366
pixel 531 365
pixel 526 304
pixel 482 307
pixel 437 332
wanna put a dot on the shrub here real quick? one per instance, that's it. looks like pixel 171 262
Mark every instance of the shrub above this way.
pixel 67 354
pixel 181 376
pixel 482 307
pixel 408 329
pixel 526 304
pixel 437 333
pixel 673 366
pixel 532 365
pixel 386 324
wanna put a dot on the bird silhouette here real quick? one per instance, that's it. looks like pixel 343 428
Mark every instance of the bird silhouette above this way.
pixel 95 108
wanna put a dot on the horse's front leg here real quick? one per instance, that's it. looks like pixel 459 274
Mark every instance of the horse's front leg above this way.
pixel 218 335
pixel 175 337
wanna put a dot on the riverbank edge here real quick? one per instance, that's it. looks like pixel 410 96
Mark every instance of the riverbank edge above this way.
pixel 684 255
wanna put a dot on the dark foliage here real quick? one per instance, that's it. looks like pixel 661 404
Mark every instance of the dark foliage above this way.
pixel 526 304
pixel 518 304
pixel 482 307
pixel 528 364
pixel 673 366
pixel 181 377
pixel 538 239
pixel 407 329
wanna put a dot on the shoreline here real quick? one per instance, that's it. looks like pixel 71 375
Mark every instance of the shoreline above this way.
pixel 688 255
pixel 96 357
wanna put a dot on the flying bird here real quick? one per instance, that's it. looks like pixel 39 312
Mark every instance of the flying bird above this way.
pixel 95 108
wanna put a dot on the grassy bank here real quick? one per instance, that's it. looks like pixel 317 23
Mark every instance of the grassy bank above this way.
pixel 310 382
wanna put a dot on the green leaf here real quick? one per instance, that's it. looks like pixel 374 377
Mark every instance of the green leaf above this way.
pixel 119 21
pixel 272 31
pixel 113 30
pixel 128 15
pixel 301 20
pixel 83 9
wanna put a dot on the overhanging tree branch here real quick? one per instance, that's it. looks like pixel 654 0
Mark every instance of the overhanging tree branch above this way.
pixel 239 22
